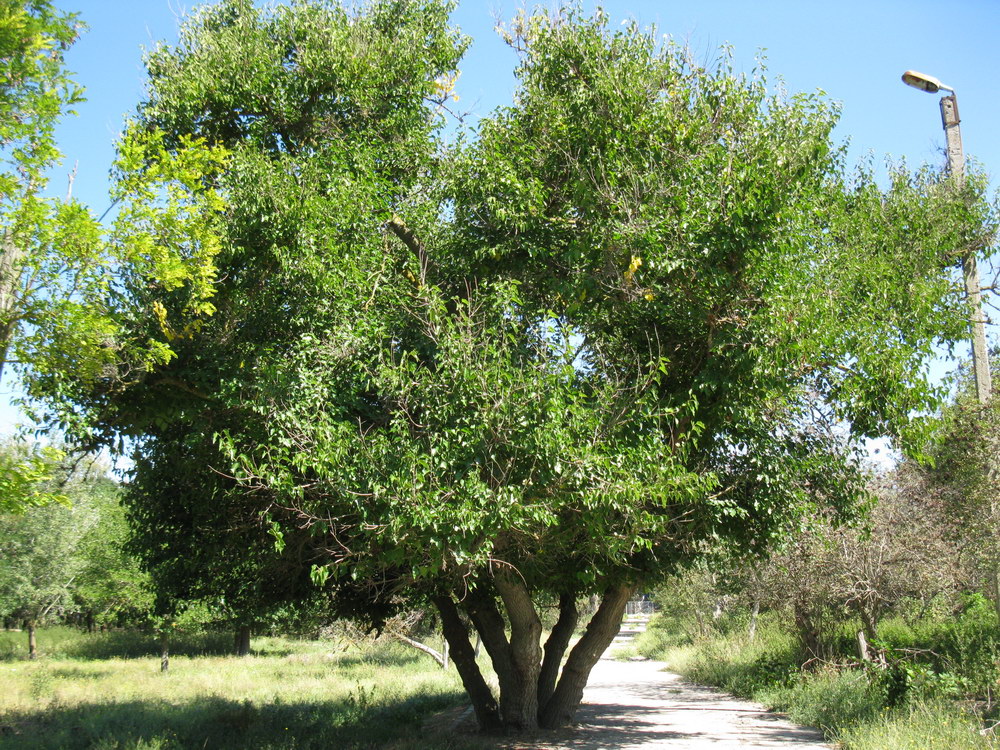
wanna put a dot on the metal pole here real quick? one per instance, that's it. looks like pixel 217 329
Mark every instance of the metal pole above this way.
pixel 970 270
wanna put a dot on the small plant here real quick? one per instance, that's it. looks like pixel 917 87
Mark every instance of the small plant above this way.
pixel 42 684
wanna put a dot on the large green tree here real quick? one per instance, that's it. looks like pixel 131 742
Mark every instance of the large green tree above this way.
pixel 603 333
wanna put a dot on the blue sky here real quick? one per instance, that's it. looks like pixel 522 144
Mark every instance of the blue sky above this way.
pixel 854 51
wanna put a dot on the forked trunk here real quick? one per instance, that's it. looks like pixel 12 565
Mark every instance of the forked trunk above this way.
pixel 519 696
pixel 464 657
pixel 532 692
pixel 604 626
pixel 556 646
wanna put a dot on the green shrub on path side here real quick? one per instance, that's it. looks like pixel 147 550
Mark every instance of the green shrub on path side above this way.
pixel 849 705
pixel 924 726
pixel 829 699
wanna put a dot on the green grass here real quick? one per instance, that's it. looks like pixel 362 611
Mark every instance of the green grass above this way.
pixel 289 694
pixel 859 709
pixel 919 727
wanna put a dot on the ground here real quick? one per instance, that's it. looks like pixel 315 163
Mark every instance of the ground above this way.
pixel 637 705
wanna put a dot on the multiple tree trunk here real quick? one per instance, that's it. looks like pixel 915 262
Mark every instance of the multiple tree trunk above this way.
pixel 533 690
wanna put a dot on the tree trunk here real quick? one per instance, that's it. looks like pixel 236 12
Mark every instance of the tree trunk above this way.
pixel 996 591
pixel 11 259
pixel 560 709
pixel 700 619
pixel 481 607
pixel 32 642
pixel 439 657
pixel 807 632
pixel 754 614
pixel 519 696
pixel 445 654
pixel 457 636
pixel 556 646
pixel 242 641
pixel 164 651
pixel 863 651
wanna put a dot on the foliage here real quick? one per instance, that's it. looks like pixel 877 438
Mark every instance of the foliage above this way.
pixel 48 248
pixel 963 479
pixel 922 726
pixel 618 327
pixel 68 559
pixel 110 588
pixel 40 559
pixel 24 470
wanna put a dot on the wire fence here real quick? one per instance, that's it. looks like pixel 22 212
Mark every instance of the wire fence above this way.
pixel 642 606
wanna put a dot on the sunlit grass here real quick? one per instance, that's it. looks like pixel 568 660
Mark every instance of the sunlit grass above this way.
pixel 289 694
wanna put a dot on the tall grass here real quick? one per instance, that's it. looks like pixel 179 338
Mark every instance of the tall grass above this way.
pixel 909 705
pixel 288 695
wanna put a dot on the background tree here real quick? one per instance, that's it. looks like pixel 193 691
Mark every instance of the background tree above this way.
pixel 40 555
pixel 110 588
pixel 605 336
pixel 964 478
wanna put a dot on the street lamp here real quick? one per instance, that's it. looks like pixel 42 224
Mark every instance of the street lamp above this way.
pixel 956 167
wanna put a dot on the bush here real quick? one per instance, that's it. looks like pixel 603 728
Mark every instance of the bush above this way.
pixel 829 699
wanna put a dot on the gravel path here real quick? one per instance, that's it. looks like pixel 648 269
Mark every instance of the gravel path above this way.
pixel 638 706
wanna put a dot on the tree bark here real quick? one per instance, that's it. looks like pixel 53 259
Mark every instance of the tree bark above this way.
pixel 32 642
pixel 519 696
pixel 808 632
pixel 560 709
pixel 754 614
pixel 863 651
pixel 164 651
pixel 489 623
pixel 996 590
pixel 556 646
pixel 11 261
pixel 440 658
pixel 483 702
pixel 243 640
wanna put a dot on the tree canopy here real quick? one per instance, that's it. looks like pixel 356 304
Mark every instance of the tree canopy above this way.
pixel 643 310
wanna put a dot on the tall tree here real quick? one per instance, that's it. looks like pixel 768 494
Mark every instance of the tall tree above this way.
pixel 556 360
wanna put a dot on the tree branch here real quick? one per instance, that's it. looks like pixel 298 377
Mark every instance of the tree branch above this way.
pixel 398 227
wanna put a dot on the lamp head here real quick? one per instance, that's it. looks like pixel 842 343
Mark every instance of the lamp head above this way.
pixel 924 82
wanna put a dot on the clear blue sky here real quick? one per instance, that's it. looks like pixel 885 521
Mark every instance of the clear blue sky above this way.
pixel 854 51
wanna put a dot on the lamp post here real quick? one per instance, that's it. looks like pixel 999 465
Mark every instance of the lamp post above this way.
pixel 970 270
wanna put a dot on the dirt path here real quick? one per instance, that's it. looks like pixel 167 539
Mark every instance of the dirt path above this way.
pixel 637 706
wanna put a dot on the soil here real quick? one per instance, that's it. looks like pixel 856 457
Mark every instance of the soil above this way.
pixel 636 705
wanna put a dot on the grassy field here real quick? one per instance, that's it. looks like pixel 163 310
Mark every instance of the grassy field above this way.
pixel 105 692
pixel 858 709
